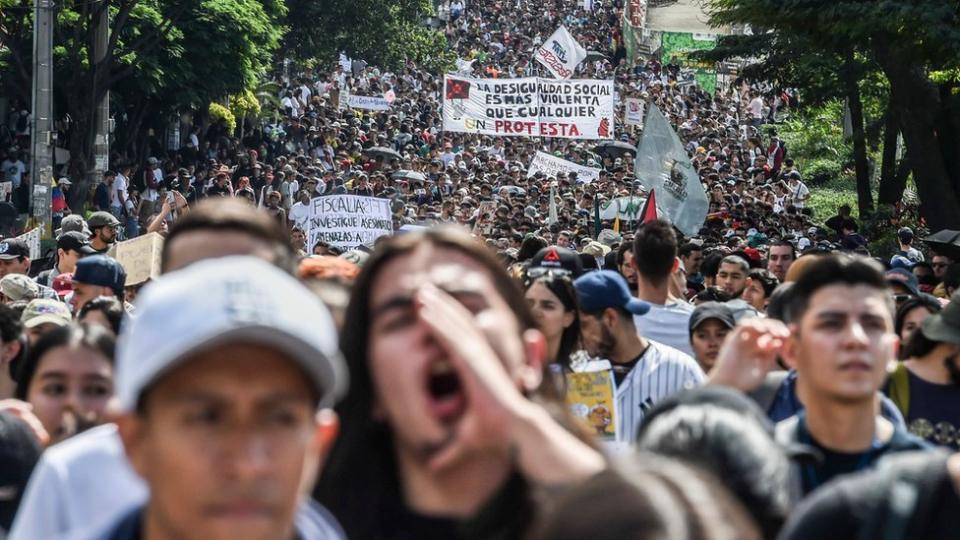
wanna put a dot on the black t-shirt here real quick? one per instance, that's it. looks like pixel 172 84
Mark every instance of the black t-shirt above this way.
pixel 908 496
pixel 835 464
pixel 507 515
pixel 934 412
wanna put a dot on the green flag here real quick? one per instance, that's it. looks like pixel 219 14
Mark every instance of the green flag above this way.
pixel 634 19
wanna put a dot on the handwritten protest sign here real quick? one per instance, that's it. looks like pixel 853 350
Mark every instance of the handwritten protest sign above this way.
pixel 32 239
pixel 140 257
pixel 529 107
pixel 590 398
pixel 367 103
pixel 554 166
pixel 347 221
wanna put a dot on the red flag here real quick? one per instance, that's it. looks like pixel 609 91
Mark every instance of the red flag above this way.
pixel 649 211
pixel 458 89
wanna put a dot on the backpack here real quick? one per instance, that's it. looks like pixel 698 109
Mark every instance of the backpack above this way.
pixel 899 389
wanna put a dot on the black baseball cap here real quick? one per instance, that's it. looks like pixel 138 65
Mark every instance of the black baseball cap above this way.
pixel 556 257
pixel 75 241
pixel 712 310
pixel 13 248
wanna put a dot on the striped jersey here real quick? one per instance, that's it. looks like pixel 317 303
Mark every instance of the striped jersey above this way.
pixel 661 371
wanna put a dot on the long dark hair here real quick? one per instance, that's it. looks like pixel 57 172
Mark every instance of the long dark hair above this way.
pixel 930 303
pixel 91 336
pixel 359 483
pixel 562 288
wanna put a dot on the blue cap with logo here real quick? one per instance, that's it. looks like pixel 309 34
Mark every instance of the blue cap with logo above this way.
pixel 597 291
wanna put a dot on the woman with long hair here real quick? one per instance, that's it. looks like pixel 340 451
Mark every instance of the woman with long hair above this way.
pixel 553 302
pixel 447 424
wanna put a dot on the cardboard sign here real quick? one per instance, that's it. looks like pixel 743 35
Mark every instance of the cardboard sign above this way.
pixel 554 166
pixel 140 257
pixel 529 107
pixel 590 398
pixel 348 221
pixel 32 239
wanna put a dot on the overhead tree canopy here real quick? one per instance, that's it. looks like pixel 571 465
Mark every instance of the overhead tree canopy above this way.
pixel 382 33
pixel 916 45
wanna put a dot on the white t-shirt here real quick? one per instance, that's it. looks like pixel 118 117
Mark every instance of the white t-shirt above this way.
pixel 756 108
pixel 667 324
pixel 661 372
pixel 82 482
pixel 13 171
pixel 299 214
pixel 799 193
pixel 119 184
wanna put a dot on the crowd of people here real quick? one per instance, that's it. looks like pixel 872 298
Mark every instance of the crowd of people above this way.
pixel 769 379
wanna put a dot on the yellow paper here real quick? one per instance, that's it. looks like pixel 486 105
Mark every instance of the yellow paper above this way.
pixel 590 398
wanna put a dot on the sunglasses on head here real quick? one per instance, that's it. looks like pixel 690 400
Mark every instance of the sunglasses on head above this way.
pixel 550 273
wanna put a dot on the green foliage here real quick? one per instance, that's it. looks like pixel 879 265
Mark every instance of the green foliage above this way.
pixel 382 33
pixel 244 104
pixel 219 113
pixel 826 198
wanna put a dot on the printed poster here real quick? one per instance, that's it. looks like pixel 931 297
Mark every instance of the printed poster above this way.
pixel 590 396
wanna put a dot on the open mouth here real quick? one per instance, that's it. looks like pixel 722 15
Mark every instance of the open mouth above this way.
pixel 447 401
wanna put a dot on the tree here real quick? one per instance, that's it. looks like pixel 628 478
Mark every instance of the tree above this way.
pixel 383 33
pixel 162 56
pixel 915 44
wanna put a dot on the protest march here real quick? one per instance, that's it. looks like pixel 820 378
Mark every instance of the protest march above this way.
pixel 577 284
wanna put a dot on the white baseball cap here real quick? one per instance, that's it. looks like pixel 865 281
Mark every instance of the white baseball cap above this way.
pixel 222 301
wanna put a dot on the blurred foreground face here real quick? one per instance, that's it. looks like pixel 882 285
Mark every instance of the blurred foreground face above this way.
pixel 417 389
pixel 843 342
pixel 229 443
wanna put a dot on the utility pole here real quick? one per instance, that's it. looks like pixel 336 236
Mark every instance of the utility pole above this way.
pixel 101 117
pixel 41 169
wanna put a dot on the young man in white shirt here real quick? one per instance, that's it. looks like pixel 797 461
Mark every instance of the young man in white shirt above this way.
pixel 654 259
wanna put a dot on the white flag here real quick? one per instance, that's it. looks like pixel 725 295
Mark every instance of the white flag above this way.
pixel 561 54
pixel 663 165
pixel 552 216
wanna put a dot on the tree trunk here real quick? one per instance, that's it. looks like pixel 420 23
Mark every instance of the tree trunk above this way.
pixel 864 196
pixel 891 189
pixel 917 105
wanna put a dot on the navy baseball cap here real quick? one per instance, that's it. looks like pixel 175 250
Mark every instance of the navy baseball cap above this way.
pixel 101 271
pixel 904 278
pixel 597 291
